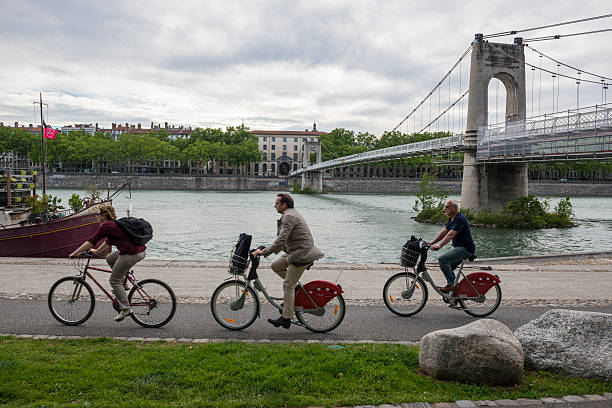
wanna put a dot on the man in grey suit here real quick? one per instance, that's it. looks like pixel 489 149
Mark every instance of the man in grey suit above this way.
pixel 294 238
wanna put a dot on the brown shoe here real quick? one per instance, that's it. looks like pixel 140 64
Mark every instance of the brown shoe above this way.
pixel 449 288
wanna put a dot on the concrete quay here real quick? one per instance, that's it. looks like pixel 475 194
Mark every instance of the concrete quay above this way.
pixel 565 280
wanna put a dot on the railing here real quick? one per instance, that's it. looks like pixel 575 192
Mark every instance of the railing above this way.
pixel 577 135
pixel 455 142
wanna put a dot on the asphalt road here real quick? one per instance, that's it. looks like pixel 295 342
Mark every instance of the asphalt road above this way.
pixel 194 320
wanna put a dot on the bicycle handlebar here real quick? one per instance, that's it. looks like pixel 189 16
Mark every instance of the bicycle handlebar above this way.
pixel 85 254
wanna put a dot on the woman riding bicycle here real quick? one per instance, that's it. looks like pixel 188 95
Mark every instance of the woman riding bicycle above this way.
pixel 120 261
pixel 293 237
pixel 456 229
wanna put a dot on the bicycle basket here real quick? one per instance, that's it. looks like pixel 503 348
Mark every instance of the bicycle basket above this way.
pixel 237 264
pixel 409 258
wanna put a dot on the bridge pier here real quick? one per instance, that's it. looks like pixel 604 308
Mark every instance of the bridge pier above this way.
pixel 501 183
pixel 492 186
pixel 313 180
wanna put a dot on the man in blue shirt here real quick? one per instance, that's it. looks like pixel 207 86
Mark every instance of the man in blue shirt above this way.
pixel 456 229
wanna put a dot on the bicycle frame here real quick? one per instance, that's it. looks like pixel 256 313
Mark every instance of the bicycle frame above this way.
pixel 252 281
pixel 424 274
pixel 84 273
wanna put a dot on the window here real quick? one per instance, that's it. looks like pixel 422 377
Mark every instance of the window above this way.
pixel 273 147
pixel 294 147
pixel 294 166
pixel 273 157
pixel 284 139
pixel 273 139
pixel 295 156
pixel 295 139
pixel 257 168
pixel 273 168
pixel 265 156
pixel 264 168
pixel 265 147
pixel 284 147
pixel 265 138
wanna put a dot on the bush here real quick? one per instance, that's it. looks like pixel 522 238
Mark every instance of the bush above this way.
pixel 296 188
pixel 524 213
pixel 46 203
pixel 75 202
pixel 429 196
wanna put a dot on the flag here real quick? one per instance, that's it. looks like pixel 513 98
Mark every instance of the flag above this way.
pixel 49 132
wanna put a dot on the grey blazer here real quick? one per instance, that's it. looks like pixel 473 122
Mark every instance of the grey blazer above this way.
pixel 294 237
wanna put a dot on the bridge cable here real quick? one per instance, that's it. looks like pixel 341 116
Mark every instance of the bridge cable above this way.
pixel 567 65
pixel 434 89
pixel 504 33
pixel 540 91
pixel 559 36
pixel 546 70
pixel 447 109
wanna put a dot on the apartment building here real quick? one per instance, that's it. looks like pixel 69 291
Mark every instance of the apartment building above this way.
pixel 282 151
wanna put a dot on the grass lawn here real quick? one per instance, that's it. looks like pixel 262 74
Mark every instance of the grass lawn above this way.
pixel 108 373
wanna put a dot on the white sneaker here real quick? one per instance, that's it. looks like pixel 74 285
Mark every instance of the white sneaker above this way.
pixel 123 314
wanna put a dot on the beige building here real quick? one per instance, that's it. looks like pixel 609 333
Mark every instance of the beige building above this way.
pixel 281 151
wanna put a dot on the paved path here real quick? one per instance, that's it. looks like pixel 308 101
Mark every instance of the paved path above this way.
pixel 562 281
pixel 530 287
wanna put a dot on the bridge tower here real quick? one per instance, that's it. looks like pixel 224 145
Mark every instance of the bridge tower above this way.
pixel 489 185
pixel 312 179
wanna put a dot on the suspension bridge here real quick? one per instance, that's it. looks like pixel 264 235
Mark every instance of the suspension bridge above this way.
pixel 495 156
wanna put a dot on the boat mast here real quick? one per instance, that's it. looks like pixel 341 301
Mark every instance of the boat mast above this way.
pixel 42 147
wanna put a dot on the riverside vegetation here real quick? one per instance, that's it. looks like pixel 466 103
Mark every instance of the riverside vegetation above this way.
pixel 524 213
pixel 206 148
pixel 36 373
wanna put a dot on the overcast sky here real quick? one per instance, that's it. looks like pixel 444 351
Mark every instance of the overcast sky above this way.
pixel 273 65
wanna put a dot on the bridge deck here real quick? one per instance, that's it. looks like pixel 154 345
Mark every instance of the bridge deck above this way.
pixel 577 136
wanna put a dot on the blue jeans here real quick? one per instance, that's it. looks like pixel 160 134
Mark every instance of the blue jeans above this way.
pixel 450 260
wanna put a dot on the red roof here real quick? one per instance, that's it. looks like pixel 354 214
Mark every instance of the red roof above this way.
pixel 287 132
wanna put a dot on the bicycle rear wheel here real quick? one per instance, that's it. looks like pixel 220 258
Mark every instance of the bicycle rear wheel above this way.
pixel 71 300
pixel 324 319
pixel 485 308
pixel 400 299
pixel 153 303
pixel 234 306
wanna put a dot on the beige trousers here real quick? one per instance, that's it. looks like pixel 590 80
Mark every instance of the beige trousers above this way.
pixel 121 264
pixel 291 275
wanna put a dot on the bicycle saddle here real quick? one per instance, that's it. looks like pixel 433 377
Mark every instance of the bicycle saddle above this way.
pixel 471 258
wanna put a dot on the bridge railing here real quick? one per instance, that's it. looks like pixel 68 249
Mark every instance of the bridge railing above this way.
pixel 455 142
pixel 573 135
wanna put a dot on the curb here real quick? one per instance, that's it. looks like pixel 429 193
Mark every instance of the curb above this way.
pixel 606 396
pixel 207 340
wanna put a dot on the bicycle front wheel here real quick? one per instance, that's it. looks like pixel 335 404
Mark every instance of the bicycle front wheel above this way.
pixel 324 319
pixel 400 298
pixel 234 305
pixel 153 303
pixel 71 300
pixel 486 307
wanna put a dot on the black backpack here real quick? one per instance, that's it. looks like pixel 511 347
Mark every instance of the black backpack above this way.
pixel 240 255
pixel 410 252
pixel 139 231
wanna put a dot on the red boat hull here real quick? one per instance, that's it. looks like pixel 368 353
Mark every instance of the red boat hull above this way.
pixel 54 239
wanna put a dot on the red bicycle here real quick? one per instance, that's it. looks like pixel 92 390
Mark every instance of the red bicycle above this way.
pixel 71 299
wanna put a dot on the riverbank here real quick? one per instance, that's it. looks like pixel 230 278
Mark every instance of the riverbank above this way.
pixel 331 184
pixel 565 280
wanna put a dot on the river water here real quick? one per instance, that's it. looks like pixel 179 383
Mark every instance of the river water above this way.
pixel 204 225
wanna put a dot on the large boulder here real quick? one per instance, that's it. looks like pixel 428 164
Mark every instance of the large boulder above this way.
pixel 483 352
pixel 570 342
